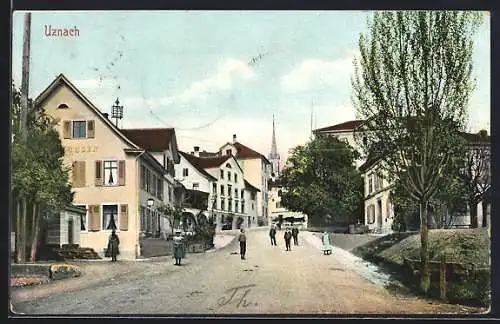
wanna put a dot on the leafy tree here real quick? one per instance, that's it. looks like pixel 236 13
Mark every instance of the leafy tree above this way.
pixel 321 180
pixel 39 177
pixel 411 87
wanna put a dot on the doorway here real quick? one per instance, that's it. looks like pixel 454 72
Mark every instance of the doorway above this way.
pixel 70 231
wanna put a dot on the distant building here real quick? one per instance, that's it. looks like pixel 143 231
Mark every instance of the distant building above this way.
pixel 231 199
pixel 274 157
pixel 278 213
pixel 256 169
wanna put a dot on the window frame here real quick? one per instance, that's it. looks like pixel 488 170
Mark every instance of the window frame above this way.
pixel 117 221
pixel 115 180
pixel 73 129
pixel 185 172
pixel 86 230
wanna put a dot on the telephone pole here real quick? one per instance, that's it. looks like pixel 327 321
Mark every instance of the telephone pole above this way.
pixel 25 82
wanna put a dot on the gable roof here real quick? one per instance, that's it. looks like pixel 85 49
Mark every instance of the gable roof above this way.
pixel 153 139
pixel 249 186
pixel 244 152
pixel 61 80
pixel 342 127
pixel 194 161
pixel 204 154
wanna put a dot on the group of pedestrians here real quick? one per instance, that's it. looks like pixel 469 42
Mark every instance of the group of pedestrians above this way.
pixel 288 235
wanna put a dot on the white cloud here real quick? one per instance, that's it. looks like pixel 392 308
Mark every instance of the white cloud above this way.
pixel 314 73
pixel 227 74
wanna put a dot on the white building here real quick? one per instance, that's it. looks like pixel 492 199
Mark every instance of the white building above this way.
pixel 229 195
pixel 257 170
pixel 277 212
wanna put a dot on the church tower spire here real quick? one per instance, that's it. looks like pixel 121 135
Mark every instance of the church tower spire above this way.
pixel 274 156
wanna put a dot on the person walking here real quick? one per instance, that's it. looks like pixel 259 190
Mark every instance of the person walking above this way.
pixel 295 235
pixel 327 247
pixel 179 247
pixel 272 234
pixel 243 243
pixel 113 244
pixel 288 237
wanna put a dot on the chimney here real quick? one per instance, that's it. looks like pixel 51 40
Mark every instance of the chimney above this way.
pixel 197 151
pixel 234 138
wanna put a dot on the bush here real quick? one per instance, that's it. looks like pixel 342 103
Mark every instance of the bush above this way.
pixel 473 287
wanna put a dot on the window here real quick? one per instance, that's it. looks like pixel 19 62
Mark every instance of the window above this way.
pixel 214 188
pixel 222 204
pixel 228 165
pixel 148 180
pixel 185 172
pixel 228 176
pixel 229 190
pixel 110 173
pixel 83 219
pixel 159 190
pixel 109 217
pixel 196 185
pixel 235 178
pixel 242 206
pixel 253 206
pixel 252 196
pixel 222 190
pixel 279 193
pixel 62 106
pixel 242 194
pixel 222 174
pixel 236 206
pixel 236 193
pixel 228 152
pixel 230 205
pixel 370 184
pixel 80 129
pixel 143 177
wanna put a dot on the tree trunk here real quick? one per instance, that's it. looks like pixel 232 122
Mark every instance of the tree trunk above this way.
pixel 473 214
pixel 424 248
pixel 18 231
pixel 22 232
pixel 36 232
pixel 485 213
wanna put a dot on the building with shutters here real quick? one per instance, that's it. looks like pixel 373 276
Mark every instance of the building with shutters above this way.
pixel 257 170
pixel 231 199
pixel 105 170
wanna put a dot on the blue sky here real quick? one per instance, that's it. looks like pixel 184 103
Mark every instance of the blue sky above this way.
pixel 189 70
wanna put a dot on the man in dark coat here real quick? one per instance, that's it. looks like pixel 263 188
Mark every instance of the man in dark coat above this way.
pixel 243 243
pixel 288 237
pixel 113 244
pixel 272 234
pixel 295 235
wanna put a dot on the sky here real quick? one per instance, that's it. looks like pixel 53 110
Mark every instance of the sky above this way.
pixel 190 70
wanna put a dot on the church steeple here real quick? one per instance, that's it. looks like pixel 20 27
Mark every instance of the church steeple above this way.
pixel 274 156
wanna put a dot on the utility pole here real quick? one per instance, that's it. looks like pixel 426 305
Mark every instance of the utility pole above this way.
pixel 25 77
pixel 23 127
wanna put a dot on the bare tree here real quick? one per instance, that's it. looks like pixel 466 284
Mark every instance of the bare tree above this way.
pixel 476 174
pixel 411 87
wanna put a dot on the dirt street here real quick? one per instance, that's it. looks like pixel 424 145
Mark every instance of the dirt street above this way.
pixel 270 281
